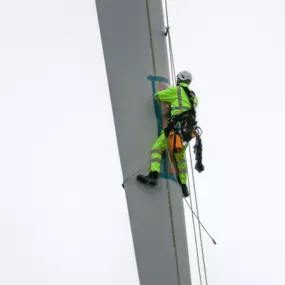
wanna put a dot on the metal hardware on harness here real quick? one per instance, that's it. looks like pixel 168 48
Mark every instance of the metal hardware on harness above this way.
pixel 185 125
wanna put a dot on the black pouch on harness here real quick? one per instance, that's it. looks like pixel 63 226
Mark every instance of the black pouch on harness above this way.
pixel 188 130
pixel 188 118
pixel 188 125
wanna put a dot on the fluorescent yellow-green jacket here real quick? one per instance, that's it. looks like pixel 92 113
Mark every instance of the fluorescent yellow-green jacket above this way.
pixel 177 98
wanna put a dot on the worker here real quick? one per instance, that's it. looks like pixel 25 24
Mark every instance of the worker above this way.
pixel 181 99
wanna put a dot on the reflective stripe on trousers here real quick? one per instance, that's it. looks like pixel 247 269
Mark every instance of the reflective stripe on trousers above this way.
pixel 182 165
pixel 156 153
pixel 156 156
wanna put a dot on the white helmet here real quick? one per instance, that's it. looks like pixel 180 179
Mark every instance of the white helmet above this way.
pixel 184 76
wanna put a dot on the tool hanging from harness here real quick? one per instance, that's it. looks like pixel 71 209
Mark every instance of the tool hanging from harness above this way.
pixel 198 149
pixel 183 128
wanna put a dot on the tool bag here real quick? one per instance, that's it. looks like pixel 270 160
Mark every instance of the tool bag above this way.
pixel 175 142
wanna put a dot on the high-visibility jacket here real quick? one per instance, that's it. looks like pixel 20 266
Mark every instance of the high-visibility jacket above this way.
pixel 177 98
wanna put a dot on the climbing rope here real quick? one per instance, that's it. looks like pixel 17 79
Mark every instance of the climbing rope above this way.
pixel 150 36
pixel 199 226
pixel 172 69
pixel 167 33
pixel 132 175
pixel 195 233
pixel 190 206
pixel 168 188
pixel 171 57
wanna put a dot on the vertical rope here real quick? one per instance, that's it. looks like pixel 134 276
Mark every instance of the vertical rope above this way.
pixel 150 36
pixel 168 189
pixel 196 202
pixel 173 231
pixel 172 67
pixel 194 187
pixel 195 233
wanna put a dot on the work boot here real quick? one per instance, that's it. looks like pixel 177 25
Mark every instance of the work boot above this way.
pixel 185 190
pixel 150 179
pixel 184 187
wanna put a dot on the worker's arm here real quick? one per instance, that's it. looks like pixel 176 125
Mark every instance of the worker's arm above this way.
pixel 166 95
pixel 195 101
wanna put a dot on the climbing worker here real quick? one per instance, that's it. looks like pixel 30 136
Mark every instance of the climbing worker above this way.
pixel 183 103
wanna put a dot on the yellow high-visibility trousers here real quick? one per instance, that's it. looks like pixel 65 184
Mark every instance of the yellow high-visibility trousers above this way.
pixel 157 150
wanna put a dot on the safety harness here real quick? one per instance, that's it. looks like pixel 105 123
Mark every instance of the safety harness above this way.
pixel 182 128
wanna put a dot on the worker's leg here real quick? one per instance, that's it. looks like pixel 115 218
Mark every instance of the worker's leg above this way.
pixel 182 165
pixel 182 168
pixel 156 153
pixel 155 163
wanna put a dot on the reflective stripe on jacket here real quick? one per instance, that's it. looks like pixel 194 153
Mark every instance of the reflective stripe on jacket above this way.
pixel 177 98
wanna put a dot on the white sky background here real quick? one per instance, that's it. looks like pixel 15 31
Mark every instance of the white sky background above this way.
pixel 236 53
pixel 63 214
pixel 52 198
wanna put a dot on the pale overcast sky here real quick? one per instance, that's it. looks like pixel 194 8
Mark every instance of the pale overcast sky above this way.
pixel 63 214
